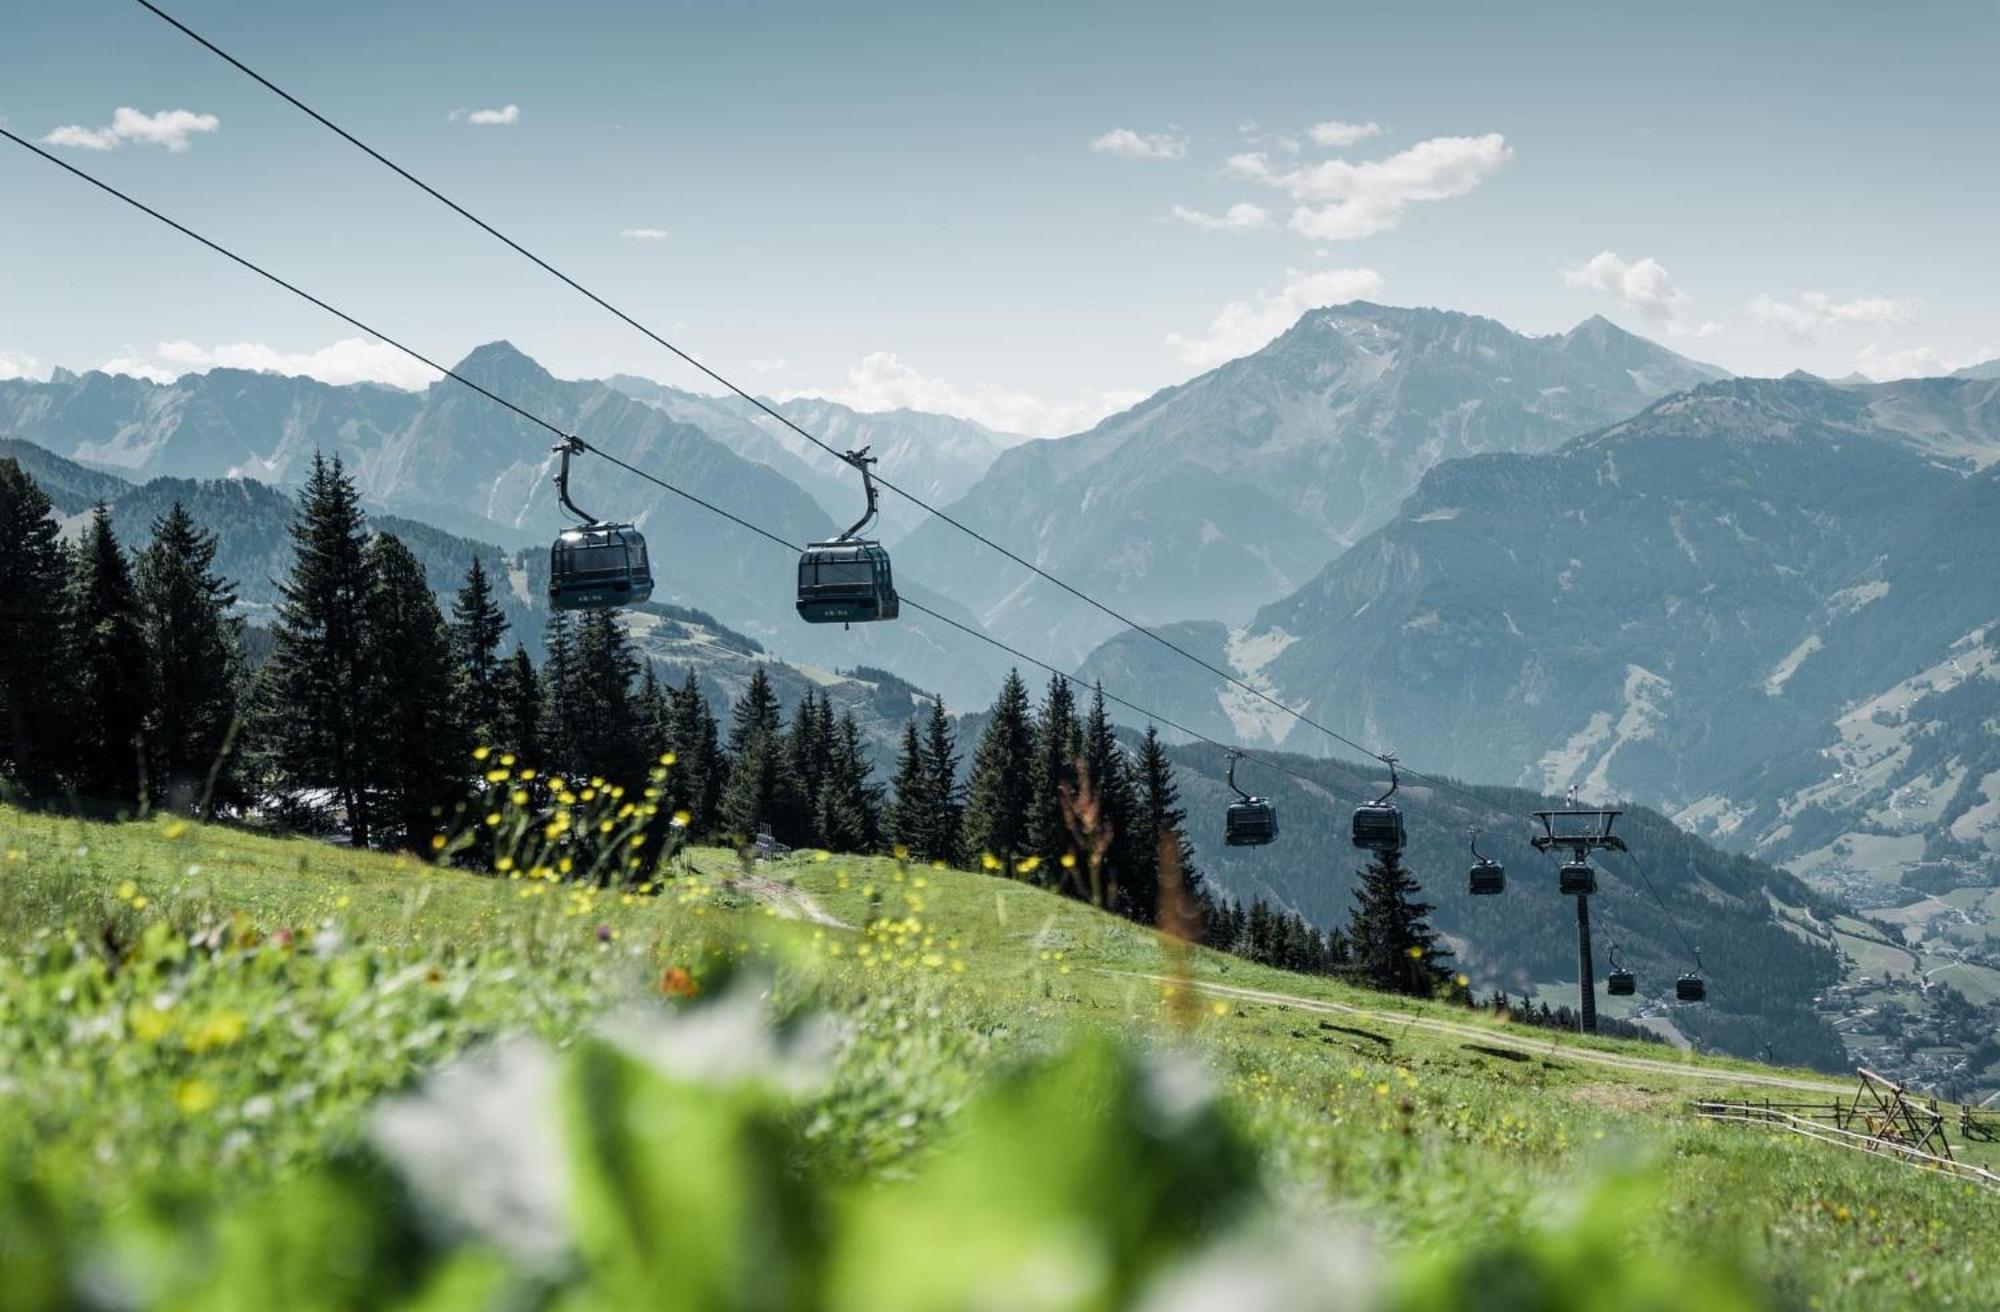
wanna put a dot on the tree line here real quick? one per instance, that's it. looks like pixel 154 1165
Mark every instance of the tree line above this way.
pixel 123 681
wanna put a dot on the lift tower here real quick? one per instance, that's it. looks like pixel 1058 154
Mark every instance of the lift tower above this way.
pixel 1580 833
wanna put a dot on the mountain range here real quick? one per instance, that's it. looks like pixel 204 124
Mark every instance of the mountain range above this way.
pixel 1235 488
pixel 453 459
pixel 1767 608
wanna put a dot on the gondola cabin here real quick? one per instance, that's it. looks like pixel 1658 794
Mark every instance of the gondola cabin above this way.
pixel 1489 879
pixel 1251 822
pixel 1690 988
pixel 846 582
pixel 1621 984
pixel 1577 878
pixel 597 565
pixel 1378 827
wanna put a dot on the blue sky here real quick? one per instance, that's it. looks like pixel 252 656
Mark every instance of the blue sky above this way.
pixel 1027 213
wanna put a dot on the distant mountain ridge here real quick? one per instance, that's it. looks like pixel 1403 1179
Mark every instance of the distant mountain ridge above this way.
pixel 1773 605
pixel 1213 497
pixel 453 459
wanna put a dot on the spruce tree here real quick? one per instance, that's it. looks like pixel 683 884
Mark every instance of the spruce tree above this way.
pixel 108 665
pixel 1160 832
pixel 996 804
pixel 758 765
pixel 419 749
pixel 1113 809
pixel 907 824
pixel 847 814
pixel 312 708
pixel 519 728
pixel 1392 944
pixel 810 752
pixel 700 770
pixel 34 662
pixel 1058 745
pixel 599 712
pixel 653 715
pixel 477 626
pixel 558 692
pixel 194 664
pixel 947 798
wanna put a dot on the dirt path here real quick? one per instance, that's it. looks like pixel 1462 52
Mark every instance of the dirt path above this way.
pixel 1493 1036
pixel 789 900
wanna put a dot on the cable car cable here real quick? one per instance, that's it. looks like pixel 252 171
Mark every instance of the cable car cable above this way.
pixel 759 404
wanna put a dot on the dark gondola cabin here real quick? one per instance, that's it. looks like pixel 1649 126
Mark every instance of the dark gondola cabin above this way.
pixel 847 580
pixel 599 565
pixel 1690 988
pixel 1489 879
pixel 594 565
pixel 1251 822
pixel 1578 878
pixel 1621 984
pixel 1378 827
pixel 842 582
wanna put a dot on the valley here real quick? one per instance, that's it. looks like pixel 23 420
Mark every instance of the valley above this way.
pixel 1702 613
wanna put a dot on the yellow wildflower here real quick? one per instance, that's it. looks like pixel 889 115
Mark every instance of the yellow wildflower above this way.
pixel 194 1097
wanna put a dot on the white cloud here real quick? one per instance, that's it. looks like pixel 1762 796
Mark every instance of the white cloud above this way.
pixel 1333 132
pixel 1127 144
pixel 1242 326
pixel 883 382
pixel 770 366
pixel 643 234
pixel 1815 313
pixel 1645 287
pixel 1342 201
pixel 504 117
pixel 171 128
pixel 1917 361
pixel 1240 217
pixel 18 366
pixel 351 360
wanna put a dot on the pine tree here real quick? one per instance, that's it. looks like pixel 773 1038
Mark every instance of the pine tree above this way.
pixel 1109 811
pixel 847 815
pixel 108 665
pixel 34 665
pixel 477 626
pixel 912 811
pixel 758 766
pixel 418 750
pixel 947 798
pixel 1159 834
pixel 312 710
pixel 653 716
pixel 1394 948
pixel 700 769
pixel 996 806
pixel 1058 746
pixel 558 691
pixel 519 729
pixel 599 713
pixel 194 664
pixel 810 751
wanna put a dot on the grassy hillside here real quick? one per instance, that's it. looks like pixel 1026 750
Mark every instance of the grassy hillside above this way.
pixel 199 1026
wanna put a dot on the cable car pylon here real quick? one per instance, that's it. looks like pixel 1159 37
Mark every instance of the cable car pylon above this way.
pixel 1581 832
